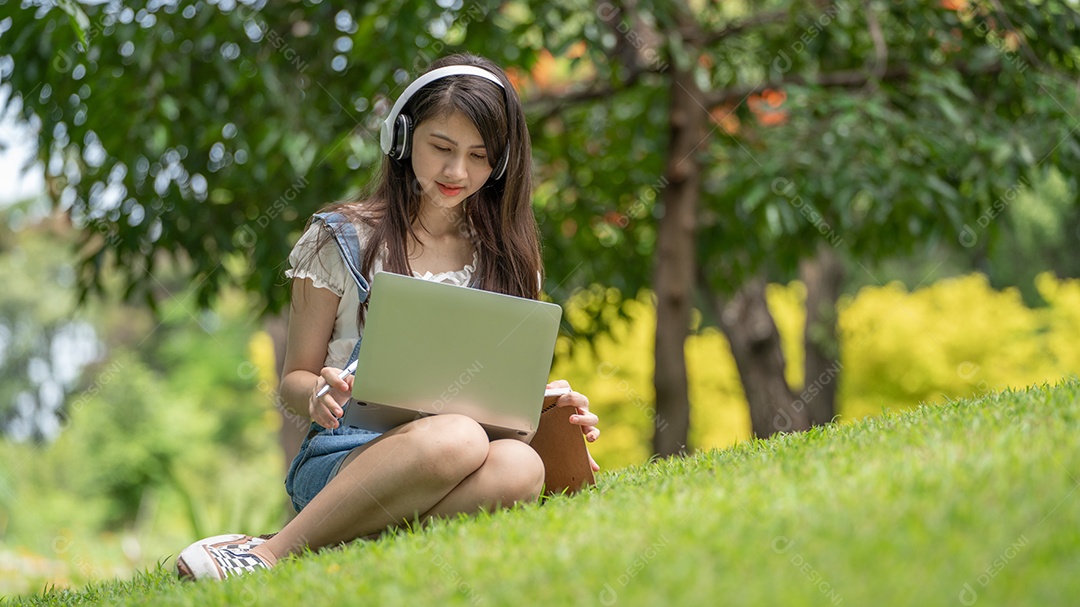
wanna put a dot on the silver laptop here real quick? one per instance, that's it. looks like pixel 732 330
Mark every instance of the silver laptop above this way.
pixel 431 348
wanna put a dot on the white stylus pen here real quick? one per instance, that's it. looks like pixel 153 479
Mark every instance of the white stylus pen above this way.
pixel 349 370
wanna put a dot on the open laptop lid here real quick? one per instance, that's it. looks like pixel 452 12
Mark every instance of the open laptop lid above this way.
pixel 431 348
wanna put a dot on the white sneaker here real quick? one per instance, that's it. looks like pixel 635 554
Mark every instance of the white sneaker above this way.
pixel 219 557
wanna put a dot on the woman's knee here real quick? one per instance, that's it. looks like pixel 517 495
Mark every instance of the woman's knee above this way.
pixel 452 445
pixel 518 467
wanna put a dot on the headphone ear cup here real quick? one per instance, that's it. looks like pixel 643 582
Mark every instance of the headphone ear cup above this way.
pixel 402 146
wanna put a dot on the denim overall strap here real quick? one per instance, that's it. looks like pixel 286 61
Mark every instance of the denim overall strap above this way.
pixel 348 244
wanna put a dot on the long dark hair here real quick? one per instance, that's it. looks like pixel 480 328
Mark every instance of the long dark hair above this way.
pixel 498 216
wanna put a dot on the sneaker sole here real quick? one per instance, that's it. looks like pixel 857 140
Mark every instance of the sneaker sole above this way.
pixel 195 563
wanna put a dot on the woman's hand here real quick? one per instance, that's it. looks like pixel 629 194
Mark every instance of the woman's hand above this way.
pixel 325 410
pixel 582 417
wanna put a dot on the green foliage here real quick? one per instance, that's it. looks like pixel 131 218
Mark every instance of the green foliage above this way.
pixel 211 132
pixel 44 343
pixel 955 338
pixel 138 433
pixel 1043 227
pixel 1038 213
pixel 877 128
pixel 600 172
pixel 973 499
pixel 171 437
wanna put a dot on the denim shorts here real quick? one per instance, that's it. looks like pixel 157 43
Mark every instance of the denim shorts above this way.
pixel 319 459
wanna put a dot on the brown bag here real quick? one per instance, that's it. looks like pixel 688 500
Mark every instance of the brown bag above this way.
pixel 561 446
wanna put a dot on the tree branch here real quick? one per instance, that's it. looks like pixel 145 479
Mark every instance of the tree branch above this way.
pixel 628 43
pixel 551 104
pixel 624 48
pixel 1030 54
pixel 838 79
pixel 734 29
pixel 881 49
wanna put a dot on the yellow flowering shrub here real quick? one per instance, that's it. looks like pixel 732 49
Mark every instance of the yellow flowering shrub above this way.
pixel 1062 318
pixel 958 337
pixel 955 338
pixel 262 366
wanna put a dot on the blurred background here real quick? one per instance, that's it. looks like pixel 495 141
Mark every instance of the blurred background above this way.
pixel 759 218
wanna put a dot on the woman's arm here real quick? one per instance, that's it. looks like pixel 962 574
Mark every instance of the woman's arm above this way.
pixel 311 325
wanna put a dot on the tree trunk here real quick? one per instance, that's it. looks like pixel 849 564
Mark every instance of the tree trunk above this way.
pixel 755 345
pixel 291 434
pixel 676 266
pixel 824 277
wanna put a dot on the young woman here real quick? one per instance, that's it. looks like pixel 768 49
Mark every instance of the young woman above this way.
pixel 452 205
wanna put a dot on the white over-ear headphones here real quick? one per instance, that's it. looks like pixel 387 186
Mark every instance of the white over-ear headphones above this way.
pixel 395 136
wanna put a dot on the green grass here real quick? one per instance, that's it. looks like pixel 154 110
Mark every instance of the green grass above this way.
pixel 975 500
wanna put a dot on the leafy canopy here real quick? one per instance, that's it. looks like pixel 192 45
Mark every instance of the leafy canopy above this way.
pixel 209 133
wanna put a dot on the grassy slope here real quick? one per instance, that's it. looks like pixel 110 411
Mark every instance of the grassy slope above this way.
pixel 904 509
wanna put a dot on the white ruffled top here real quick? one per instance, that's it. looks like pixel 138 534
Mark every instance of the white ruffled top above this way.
pixel 460 277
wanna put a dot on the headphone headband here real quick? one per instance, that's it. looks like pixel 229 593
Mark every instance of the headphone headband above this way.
pixel 396 145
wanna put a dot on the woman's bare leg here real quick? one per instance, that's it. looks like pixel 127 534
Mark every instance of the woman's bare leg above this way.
pixel 395 478
pixel 512 473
